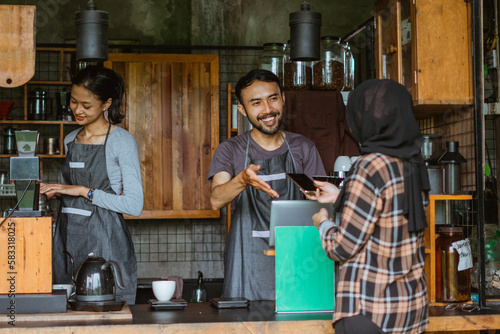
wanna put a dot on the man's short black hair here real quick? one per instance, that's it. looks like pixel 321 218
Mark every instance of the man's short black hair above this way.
pixel 250 77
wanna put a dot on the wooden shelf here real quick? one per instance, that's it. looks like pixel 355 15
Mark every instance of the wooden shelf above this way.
pixel 60 75
pixel 18 121
pixel 38 155
pixel 53 83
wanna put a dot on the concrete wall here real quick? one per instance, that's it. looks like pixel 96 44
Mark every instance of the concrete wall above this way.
pixel 196 22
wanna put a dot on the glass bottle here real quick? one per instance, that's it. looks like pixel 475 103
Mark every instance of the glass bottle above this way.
pixel 349 67
pixel 297 74
pixel 453 283
pixel 271 59
pixel 328 72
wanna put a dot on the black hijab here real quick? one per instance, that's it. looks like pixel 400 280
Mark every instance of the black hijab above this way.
pixel 380 116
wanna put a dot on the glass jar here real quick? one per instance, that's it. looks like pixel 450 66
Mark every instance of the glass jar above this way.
pixel 348 68
pixel 453 263
pixel 271 59
pixel 9 141
pixel 37 104
pixel 297 74
pixel 328 72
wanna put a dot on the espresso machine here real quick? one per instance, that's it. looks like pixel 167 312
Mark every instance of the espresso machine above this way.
pixel 25 172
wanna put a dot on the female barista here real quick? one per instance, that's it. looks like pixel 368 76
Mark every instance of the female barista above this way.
pixel 379 242
pixel 100 180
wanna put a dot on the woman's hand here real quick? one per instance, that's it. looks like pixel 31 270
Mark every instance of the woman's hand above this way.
pixel 320 217
pixel 326 192
pixel 53 189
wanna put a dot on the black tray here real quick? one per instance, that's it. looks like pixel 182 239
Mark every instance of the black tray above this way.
pixel 104 306
pixel 173 304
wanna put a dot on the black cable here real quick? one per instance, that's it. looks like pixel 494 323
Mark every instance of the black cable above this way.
pixel 17 204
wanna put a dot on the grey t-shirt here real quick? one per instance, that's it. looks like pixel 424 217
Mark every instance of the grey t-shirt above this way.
pixel 124 172
pixel 230 155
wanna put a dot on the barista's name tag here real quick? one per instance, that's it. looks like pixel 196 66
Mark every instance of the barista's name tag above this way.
pixel 272 177
pixel 73 164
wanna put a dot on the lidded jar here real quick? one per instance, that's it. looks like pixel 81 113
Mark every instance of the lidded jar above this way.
pixel 297 74
pixel 453 263
pixel 328 72
pixel 272 58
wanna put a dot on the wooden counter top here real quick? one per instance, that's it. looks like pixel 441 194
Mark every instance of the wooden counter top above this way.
pixel 259 318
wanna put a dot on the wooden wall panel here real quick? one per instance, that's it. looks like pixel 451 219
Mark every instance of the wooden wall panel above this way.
pixel 172 111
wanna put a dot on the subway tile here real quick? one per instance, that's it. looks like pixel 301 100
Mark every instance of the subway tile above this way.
pixel 207 238
pixel 153 238
pixel 162 229
pixel 162 248
pixel 153 248
pixel 144 238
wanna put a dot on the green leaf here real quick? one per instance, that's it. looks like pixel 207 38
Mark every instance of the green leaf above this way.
pixel 487 170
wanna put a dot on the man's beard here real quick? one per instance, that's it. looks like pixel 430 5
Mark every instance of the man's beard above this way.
pixel 266 130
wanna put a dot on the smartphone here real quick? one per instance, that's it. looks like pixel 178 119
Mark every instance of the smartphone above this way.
pixel 231 302
pixel 332 179
pixel 303 182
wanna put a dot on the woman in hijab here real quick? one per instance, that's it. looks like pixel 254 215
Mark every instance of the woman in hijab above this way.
pixel 379 239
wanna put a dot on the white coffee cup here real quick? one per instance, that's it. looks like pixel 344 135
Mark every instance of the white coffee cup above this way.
pixel 342 164
pixel 163 290
pixel 67 287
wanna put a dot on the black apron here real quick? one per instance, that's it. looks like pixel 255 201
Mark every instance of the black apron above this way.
pixel 247 271
pixel 83 227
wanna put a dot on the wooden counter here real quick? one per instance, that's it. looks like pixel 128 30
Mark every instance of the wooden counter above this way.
pixel 259 318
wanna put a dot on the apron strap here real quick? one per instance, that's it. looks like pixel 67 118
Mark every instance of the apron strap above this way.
pixel 286 142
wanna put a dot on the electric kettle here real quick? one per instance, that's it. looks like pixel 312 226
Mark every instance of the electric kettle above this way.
pixel 95 280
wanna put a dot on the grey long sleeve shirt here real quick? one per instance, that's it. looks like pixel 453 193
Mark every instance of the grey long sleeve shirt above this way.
pixel 124 172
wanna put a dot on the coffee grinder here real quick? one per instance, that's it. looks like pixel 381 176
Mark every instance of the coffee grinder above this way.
pixel 64 112
pixel 25 172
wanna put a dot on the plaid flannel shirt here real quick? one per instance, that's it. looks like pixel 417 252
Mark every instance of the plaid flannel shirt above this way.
pixel 382 264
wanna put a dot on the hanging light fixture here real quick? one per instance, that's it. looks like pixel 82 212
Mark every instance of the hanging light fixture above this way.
pixel 91 34
pixel 305 33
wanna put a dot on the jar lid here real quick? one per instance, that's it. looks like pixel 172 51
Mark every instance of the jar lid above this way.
pixel 450 229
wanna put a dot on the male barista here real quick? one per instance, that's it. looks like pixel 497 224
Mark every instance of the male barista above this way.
pixel 253 166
